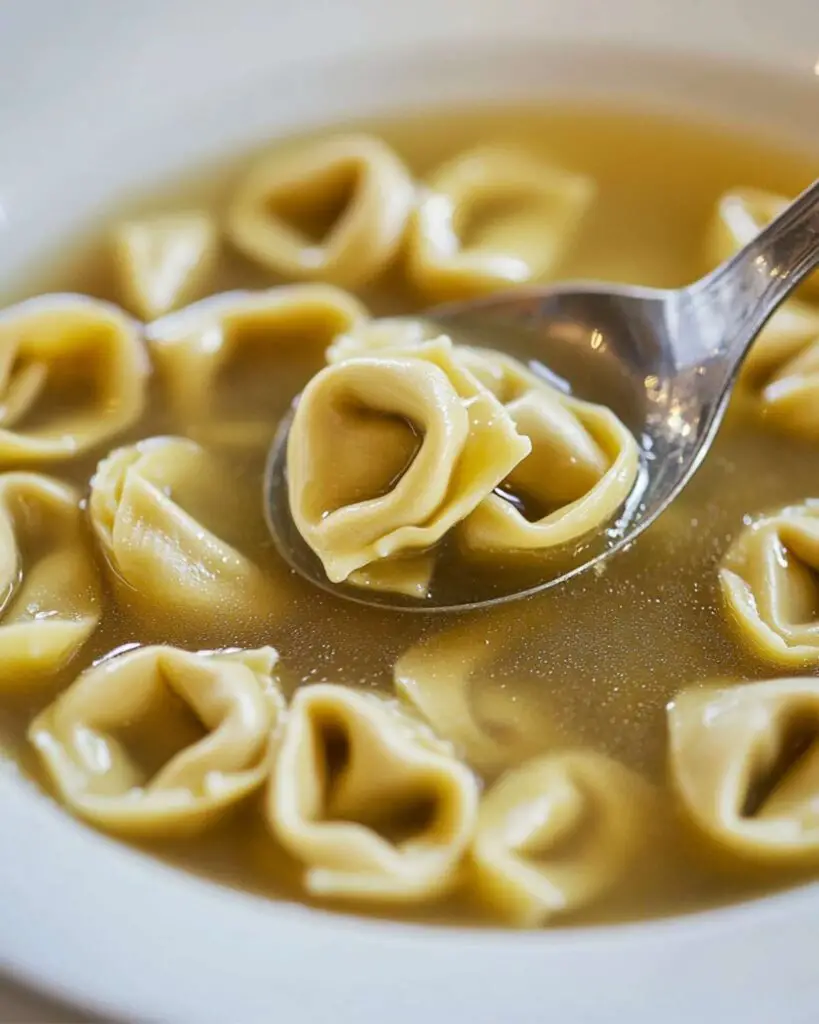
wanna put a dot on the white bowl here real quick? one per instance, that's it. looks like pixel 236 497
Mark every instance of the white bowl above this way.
pixel 100 97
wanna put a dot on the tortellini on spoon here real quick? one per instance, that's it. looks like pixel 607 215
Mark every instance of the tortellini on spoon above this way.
pixel 333 209
pixel 215 711
pixel 583 465
pixel 365 796
pixel 745 763
pixel 386 454
pixel 72 375
pixel 375 337
pixel 163 261
pixel 148 506
pixel 770 583
pixel 559 832
pixel 48 577
pixel 491 218
pixel 246 339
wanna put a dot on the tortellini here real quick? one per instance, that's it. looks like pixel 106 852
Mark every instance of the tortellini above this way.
pixel 740 215
pixel 373 805
pixel 48 575
pixel 770 583
pixel 386 454
pixel 216 711
pixel 557 833
pixel 147 506
pixel 72 375
pixel 375 337
pixel 781 372
pixel 745 762
pixel 583 465
pixel 333 208
pixel 243 339
pixel 492 723
pixel 790 331
pixel 163 261
pixel 491 218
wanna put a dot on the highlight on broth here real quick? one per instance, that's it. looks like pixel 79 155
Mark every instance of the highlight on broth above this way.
pixel 166 677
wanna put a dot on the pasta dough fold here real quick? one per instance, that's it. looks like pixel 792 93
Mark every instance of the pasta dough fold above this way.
pixel 449 679
pixel 781 372
pixel 745 763
pixel 557 833
pixel 377 337
pixel 372 804
pixel 770 584
pixel 780 376
pixel 234 698
pixel 388 453
pixel 334 209
pixel 163 261
pixel 72 375
pixel 491 218
pixel 246 339
pixel 164 561
pixel 48 577
pixel 583 465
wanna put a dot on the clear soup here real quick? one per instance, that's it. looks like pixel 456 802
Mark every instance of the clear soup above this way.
pixel 591 666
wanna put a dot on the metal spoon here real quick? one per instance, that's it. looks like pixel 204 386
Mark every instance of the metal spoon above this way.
pixel 664 360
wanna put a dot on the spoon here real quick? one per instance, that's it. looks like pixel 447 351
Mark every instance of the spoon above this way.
pixel 663 360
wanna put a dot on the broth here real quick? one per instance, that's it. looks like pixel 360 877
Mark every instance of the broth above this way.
pixel 606 652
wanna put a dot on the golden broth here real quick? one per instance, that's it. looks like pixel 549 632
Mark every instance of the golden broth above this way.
pixel 602 656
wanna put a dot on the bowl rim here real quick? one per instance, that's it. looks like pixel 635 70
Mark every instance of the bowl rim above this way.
pixel 720 944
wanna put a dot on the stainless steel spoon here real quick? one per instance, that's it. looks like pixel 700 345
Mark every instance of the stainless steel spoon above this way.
pixel 664 360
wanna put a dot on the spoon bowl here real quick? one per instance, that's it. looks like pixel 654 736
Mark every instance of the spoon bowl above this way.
pixel 664 361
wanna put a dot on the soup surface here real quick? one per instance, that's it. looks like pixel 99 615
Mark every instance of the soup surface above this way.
pixel 585 672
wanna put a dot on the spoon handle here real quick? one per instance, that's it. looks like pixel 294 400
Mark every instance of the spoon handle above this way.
pixel 722 313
